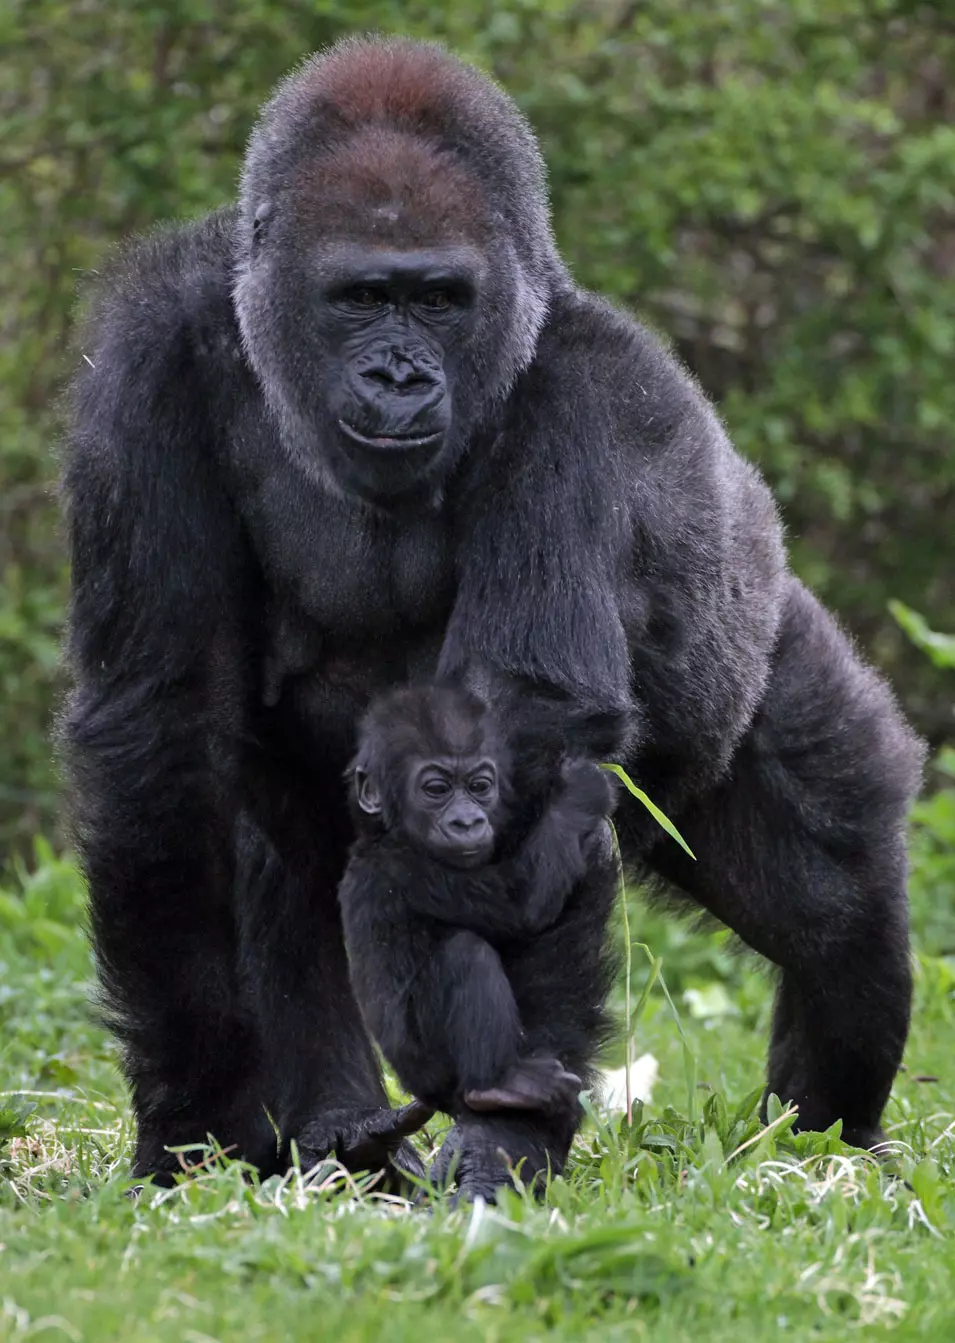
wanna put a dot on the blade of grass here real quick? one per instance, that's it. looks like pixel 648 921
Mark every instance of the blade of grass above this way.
pixel 628 955
pixel 660 817
pixel 689 1059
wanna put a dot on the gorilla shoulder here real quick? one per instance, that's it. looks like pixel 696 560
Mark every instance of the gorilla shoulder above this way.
pixel 164 302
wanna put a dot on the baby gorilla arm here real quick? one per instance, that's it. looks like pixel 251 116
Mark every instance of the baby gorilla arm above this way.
pixel 482 902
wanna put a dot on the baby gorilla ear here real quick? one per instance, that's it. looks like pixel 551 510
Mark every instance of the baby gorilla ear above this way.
pixel 366 791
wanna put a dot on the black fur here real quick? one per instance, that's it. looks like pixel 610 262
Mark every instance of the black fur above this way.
pixel 584 531
pixel 436 953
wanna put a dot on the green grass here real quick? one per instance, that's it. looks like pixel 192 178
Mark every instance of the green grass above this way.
pixel 692 1223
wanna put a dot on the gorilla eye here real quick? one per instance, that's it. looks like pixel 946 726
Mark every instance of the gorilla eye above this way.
pixel 436 300
pixel 364 296
pixel 436 789
pixel 482 786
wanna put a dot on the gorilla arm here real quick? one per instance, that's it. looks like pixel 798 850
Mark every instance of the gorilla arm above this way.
pixel 631 567
pixel 631 570
pixel 163 586
pixel 551 861
pixel 154 631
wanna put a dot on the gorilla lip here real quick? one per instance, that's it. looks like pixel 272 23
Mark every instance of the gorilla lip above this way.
pixel 390 441
pixel 467 858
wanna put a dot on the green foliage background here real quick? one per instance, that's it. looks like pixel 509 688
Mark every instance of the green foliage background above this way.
pixel 771 183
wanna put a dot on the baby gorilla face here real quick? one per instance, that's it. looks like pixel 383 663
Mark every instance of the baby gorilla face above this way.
pixel 451 808
pixel 433 768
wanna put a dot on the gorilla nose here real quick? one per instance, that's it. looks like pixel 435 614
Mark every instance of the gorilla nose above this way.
pixel 395 373
pixel 469 827
pixel 395 396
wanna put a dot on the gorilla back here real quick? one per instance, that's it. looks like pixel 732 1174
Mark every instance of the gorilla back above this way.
pixel 362 428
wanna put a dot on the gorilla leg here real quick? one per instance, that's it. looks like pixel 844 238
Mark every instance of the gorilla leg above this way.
pixel 467 1032
pixel 162 923
pixel 801 852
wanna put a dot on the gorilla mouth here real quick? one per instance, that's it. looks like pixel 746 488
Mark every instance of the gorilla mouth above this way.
pixel 466 858
pixel 391 442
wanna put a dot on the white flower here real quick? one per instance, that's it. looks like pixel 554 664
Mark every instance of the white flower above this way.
pixel 643 1075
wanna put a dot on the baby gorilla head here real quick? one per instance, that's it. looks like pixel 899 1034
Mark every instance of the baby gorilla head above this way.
pixel 432 767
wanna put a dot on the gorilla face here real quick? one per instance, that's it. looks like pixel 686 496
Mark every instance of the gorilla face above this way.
pixel 368 354
pixel 394 324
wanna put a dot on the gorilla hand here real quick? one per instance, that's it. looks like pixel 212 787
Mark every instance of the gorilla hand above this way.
pixel 367 1140
pixel 530 1084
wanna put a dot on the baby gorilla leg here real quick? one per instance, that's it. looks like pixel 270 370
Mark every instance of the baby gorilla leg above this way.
pixel 482 1029
pixel 475 1014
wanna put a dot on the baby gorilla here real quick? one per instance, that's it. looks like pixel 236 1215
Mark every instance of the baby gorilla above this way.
pixel 432 895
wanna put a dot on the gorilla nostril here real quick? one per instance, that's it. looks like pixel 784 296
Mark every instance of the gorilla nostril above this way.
pixel 399 379
pixel 415 379
pixel 380 376
pixel 468 825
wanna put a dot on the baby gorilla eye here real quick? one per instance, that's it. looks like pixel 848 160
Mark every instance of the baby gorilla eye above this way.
pixel 482 786
pixel 436 789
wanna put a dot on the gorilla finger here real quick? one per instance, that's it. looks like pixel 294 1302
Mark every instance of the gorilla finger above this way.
pixel 486 1099
pixel 409 1166
pixel 411 1118
pixel 445 1165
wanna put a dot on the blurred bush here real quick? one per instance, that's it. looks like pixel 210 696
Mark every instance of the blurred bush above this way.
pixel 770 182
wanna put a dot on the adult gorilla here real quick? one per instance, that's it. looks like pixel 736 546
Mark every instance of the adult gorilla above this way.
pixel 364 427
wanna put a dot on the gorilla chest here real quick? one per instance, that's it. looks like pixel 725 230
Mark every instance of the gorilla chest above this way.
pixel 352 575
pixel 374 578
pixel 354 613
pixel 363 585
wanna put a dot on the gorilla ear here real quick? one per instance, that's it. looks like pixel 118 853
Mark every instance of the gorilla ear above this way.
pixel 369 799
pixel 260 221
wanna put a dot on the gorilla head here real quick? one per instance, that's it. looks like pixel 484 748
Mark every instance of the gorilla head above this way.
pixel 395 262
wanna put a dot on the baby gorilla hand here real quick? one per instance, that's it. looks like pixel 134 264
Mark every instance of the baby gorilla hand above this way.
pixel 587 797
pixel 560 851
pixel 531 1084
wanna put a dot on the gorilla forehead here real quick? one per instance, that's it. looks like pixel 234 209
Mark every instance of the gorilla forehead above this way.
pixel 441 719
pixel 393 189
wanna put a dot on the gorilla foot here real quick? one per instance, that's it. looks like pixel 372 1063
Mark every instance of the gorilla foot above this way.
pixel 367 1140
pixel 486 1153
pixel 477 1173
pixel 816 1113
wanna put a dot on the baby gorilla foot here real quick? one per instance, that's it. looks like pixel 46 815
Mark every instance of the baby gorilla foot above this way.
pixel 367 1140
pixel 484 1152
pixel 531 1084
